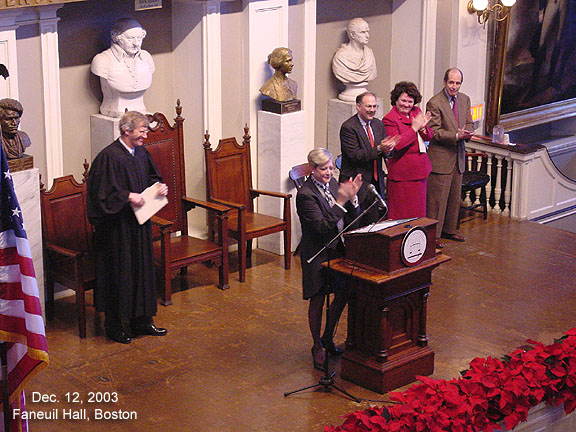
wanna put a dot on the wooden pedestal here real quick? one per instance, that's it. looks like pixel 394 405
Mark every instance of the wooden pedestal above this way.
pixel 387 344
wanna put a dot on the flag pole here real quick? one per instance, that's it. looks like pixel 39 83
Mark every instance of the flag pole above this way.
pixel 5 392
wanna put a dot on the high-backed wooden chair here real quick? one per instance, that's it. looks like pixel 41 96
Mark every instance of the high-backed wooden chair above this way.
pixel 174 249
pixel 229 182
pixel 67 236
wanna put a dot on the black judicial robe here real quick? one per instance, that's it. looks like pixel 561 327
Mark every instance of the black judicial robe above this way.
pixel 123 249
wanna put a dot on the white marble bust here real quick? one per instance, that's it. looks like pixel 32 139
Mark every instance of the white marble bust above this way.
pixel 354 63
pixel 125 69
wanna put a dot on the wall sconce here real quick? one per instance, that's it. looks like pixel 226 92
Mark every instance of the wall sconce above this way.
pixel 498 10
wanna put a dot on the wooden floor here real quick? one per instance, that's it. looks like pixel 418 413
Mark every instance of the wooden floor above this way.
pixel 230 355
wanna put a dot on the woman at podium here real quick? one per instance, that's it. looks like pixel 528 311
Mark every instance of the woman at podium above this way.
pixel 324 207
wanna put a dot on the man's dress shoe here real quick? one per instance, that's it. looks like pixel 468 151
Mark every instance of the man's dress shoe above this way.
pixel 455 237
pixel 150 330
pixel 118 336
pixel 439 244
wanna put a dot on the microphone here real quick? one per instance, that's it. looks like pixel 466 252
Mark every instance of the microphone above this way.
pixel 372 189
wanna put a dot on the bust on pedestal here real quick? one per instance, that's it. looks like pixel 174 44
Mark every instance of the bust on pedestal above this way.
pixel 125 72
pixel 125 69
pixel 14 141
pixel 281 89
pixel 281 141
pixel 354 63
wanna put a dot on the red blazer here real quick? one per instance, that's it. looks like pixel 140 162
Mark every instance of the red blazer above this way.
pixel 406 162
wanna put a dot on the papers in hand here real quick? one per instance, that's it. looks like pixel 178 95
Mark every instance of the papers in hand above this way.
pixel 153 202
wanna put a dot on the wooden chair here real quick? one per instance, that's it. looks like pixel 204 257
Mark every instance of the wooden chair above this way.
pixel 299 173
pixel 229 182
pixel 67 237
pixel 474 179
pixel 174 249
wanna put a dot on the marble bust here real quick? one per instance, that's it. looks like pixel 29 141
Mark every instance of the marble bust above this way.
pixel 125 69
pixel 279 87
pixel 353 63
pixel 14 142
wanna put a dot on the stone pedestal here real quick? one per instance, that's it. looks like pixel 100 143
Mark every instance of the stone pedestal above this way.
pixel 352 90
pixel 340 111
pixel 281 145
pixel 103 131
pixel 27 188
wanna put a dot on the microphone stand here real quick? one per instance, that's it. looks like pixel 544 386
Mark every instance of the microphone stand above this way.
pixel 327 245
pixel 327 380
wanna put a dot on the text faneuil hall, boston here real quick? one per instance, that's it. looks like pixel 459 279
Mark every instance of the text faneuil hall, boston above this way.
pixel 74 414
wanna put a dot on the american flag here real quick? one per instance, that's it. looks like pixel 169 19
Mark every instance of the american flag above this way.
pixel 21 323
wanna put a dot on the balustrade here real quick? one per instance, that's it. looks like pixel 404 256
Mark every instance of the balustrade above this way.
pixel 524 182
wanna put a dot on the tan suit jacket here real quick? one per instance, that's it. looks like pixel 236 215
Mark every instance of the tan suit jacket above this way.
pixel 444 151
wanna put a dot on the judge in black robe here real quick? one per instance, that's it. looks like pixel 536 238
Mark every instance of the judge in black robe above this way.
pixel 125 278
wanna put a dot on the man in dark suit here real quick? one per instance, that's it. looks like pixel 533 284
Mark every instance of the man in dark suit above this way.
pixel 453 126
pixel 325 208
pixel 363 143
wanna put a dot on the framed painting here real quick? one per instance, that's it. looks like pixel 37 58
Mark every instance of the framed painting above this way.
pixel 532 62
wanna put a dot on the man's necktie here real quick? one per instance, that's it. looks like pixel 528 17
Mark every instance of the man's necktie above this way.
pixel 455 110
pixel 371 138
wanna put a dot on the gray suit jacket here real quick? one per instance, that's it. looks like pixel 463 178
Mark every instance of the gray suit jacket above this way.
pixel 444 151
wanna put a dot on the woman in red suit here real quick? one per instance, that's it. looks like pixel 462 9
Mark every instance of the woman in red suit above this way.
pixel 408 166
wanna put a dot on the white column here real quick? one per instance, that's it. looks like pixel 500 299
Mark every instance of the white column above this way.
pixel 309 85
pixel 212 68
pixel 428 49
pixel 48 22
pixel 266 22
pixel 8 57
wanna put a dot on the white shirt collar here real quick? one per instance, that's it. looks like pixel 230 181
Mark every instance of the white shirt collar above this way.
pixel 131 150
pixel 362 122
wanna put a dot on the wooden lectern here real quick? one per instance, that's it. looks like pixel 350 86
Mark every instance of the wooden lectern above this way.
pixel 390 274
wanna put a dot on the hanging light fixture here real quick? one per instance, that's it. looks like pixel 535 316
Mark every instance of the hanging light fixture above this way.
pixel 497 9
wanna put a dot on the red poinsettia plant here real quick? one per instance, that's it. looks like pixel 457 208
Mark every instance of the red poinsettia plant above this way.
pixel 491 394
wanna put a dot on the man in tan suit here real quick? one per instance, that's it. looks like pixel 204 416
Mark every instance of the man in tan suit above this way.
pixel 452 125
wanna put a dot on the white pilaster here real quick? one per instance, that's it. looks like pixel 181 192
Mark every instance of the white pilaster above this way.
pixel 428 49
pixel 9 86
pixel 267 28
pixel 212 75
pixel 48 22
pixel 8 53
pixel 309 85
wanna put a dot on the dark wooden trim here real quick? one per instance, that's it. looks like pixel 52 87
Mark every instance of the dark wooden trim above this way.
pixel 498 34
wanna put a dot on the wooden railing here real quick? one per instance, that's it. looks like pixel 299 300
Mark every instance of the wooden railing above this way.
pixel 525 183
